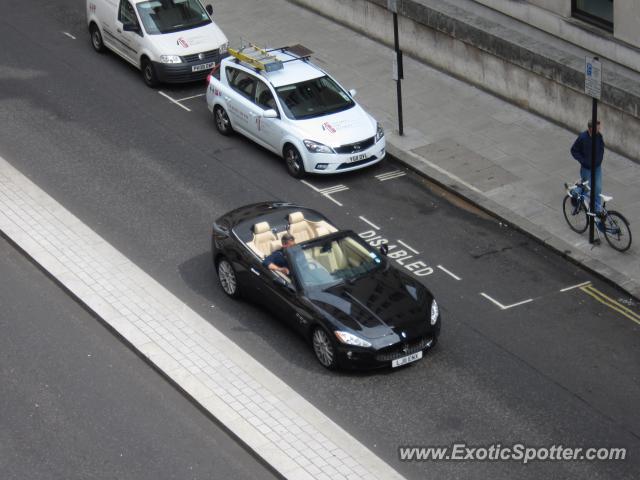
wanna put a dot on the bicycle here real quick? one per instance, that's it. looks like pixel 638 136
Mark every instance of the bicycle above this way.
pixel 577 212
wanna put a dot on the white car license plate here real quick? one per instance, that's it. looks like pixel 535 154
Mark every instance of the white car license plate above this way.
pixel 204 66
pixel 357 158
pixel 398 362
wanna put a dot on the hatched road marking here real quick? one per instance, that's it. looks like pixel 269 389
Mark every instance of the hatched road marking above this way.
pixel 383 177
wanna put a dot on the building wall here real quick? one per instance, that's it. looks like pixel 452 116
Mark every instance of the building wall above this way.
pixel 626 21
pixel 559 7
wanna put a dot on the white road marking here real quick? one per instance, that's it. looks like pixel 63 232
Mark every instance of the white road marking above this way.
pixel 407 246
pixel 334 189
pixel 310 186
pixel 173 100
pixel 505 307
pixel 575 286
pixel 443 171
pixel 69 35
pixel 193 96
pixel 448 272
pixel 329 190
pixel 390 175
pixel 370 223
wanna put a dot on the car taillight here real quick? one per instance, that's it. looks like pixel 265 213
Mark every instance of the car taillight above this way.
pixel 213 73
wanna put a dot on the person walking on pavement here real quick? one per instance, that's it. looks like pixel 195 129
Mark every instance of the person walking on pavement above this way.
pixel 581 151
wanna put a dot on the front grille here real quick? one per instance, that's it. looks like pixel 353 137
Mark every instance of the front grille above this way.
pixel 355 147
pixel 396 351
pixel 209 56
pixel 356 164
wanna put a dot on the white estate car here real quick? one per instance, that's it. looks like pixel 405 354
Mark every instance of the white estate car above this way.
pixel 171 41
pixel 290 106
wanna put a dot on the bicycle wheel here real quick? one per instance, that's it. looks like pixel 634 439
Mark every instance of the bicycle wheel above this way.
pixel 575 214
pixel 617 231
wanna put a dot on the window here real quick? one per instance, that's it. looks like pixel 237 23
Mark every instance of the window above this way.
pixel 313 98
pixel 165 16
pixel 126 13
pixel 597 12
pixel 264 97
pixel 242 82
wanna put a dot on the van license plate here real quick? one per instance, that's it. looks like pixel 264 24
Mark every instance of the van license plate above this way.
pixel 357 158
pixel 204 66
pixel 398 362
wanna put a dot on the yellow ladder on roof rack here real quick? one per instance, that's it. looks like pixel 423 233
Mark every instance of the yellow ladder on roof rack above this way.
pixel 257 57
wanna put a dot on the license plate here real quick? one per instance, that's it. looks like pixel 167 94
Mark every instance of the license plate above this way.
pixel 204 66
pixel 398 362
pixel 356 158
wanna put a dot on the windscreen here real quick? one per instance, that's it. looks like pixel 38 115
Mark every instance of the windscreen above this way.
pixel 313 98
pixel 165 16
pixel 337 260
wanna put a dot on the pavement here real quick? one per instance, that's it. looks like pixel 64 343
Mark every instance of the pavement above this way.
pixel 506 160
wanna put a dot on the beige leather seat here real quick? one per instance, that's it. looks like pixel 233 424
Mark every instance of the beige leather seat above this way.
pixel 262 238
pixel 299 227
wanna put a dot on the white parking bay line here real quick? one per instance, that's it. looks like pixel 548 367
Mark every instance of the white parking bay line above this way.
pixel 236 389
pixel 173 100
pixel 191 97
pixel 505 307
pixel 575 286
pixel 407 246
pixel 449 273
pixel 370 223
pixel 69 35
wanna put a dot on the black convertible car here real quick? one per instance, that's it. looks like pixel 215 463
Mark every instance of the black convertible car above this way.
pixel 343 296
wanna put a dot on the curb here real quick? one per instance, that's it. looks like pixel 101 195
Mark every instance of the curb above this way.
pixel 601 270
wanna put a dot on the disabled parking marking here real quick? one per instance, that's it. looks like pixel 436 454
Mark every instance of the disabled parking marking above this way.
pixel 69 35
pixel 173 100
pixel 611 303
pixel 449 273
pixel 383 177
pixel 327 192
pixel 505 307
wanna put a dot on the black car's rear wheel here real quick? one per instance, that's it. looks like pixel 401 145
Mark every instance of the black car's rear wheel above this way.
pixel 323 348
pixel 228 278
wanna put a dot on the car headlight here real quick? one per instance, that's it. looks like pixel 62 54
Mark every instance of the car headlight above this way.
pixel 170 59
pixel 435 311
pixel 351 339
pixel 315 147
pixel 379 131
pixel 224 47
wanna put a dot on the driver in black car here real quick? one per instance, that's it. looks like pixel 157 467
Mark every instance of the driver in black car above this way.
pixel 277 261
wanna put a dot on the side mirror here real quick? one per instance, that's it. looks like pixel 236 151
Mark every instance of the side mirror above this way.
pixel 353 92
pixel 130 27
pixel 209 10
pixel 384 249
pixel 271 113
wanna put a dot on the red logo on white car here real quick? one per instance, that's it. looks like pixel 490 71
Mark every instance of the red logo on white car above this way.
pixel 182 42
pixel 328 127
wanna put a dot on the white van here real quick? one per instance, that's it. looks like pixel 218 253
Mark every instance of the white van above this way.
pixel 172 41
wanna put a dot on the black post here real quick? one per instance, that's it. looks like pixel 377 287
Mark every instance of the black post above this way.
pixel 594 138
pixel 396 41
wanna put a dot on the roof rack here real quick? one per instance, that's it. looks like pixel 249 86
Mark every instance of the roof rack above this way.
pixel 257 57
pixel 262 59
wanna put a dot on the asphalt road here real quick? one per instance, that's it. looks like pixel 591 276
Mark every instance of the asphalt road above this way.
pixel 150 177
pixel 77 403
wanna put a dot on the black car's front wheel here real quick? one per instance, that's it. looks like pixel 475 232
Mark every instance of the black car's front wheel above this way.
pixel 323 348
pixel 228 278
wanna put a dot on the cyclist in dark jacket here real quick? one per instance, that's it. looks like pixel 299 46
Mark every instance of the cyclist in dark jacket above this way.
pixel 581 151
